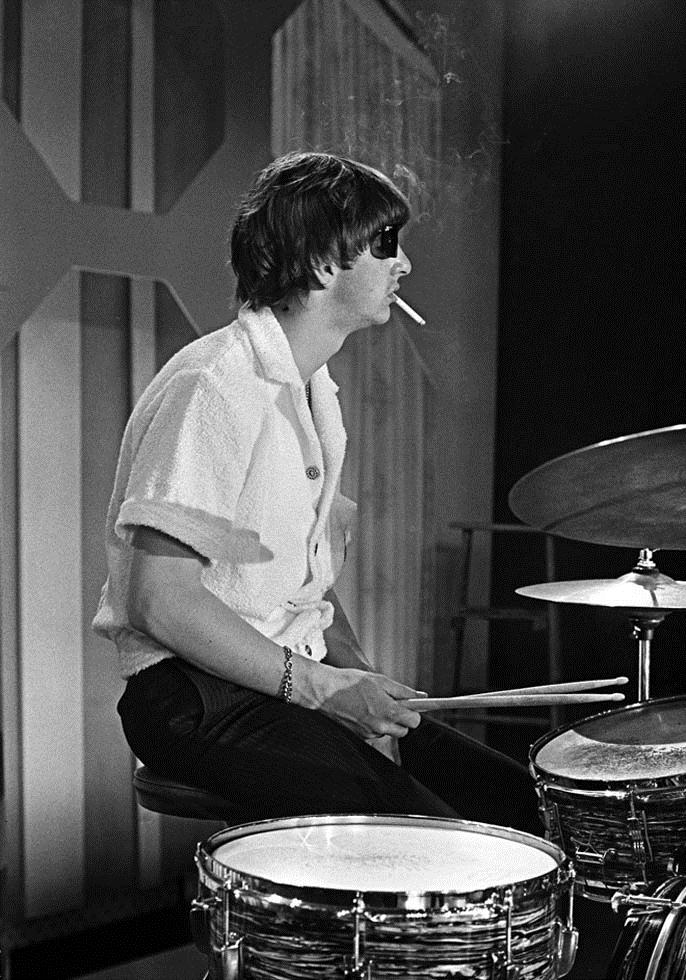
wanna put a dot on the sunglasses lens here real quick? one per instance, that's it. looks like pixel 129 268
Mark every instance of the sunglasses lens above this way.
pixel 384 245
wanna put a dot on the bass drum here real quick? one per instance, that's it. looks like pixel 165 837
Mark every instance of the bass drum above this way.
pixel 382 898
pixel 652 944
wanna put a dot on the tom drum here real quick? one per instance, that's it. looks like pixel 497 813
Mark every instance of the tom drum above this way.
pixel 612 792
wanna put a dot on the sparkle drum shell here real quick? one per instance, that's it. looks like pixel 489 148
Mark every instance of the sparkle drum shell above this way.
pixel 612 792
pixel 383 897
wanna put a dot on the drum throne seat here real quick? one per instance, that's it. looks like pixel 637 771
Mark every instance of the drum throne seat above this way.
pixel 162 794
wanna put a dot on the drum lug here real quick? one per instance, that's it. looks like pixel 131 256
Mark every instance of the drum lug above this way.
pixel 229 960
pixel 567 945
pixel 200 921
pixel 550 817
pixel 639 838
pixel 356 967
pixel 225 961
pixel 501 970
pixel 361 972
pixel 677 861
pixel 502 967
pixel 567 935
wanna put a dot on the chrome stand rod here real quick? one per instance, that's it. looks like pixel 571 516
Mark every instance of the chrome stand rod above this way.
pixel 644 670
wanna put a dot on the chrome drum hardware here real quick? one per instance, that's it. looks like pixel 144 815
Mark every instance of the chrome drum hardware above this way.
pixel 377 898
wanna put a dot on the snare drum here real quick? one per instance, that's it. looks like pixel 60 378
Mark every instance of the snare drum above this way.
pixel 612 791
pixel 380 898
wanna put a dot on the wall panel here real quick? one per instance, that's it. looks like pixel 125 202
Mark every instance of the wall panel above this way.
pixel 12 843
pixel 49 449
pixel 10 795
pixel 50 603
pixel 105 302
pixel 109 811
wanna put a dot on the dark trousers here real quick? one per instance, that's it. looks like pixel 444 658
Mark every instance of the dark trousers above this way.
pixel 279 760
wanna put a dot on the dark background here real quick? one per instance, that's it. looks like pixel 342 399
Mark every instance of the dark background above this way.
pixel 591 322
pixel 591 331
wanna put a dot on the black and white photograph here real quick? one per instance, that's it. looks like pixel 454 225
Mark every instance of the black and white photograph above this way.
pixel 342 490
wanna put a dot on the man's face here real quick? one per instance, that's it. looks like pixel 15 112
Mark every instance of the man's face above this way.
pixel 365 292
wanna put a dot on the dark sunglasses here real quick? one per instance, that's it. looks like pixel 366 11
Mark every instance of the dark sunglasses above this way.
pixel 384 245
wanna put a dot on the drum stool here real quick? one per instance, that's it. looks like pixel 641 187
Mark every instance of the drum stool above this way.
pixel 161 794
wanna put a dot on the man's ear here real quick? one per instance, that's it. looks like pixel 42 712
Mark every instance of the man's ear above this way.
pixel 326 272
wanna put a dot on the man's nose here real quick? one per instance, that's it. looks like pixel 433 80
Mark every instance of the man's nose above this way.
pixel 404 266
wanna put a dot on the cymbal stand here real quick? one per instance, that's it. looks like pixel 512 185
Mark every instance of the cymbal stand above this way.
pixel 644 625
pixel 644 622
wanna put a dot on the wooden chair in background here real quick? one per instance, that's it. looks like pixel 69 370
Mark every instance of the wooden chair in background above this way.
pixel 540 618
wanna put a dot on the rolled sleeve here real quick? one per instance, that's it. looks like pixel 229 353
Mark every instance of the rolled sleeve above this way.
pixel 187 473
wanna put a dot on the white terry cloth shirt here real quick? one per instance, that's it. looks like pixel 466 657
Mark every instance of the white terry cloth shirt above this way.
pixel 222 453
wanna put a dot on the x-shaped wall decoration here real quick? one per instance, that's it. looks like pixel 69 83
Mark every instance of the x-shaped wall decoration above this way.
pixel 44 234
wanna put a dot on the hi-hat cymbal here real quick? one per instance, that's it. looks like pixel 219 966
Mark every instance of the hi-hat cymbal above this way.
pixel 628 492
pixel 634 591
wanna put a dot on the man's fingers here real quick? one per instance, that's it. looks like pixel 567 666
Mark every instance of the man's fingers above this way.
pixel 402 692
pixel 393 728
pixel 397 731
pixel 405 716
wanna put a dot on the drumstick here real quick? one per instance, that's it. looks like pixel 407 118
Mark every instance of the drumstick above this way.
pixel 507 701
pixel 568 687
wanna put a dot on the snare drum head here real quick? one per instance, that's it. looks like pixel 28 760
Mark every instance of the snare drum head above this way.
pixel 645 741
pixel 398 855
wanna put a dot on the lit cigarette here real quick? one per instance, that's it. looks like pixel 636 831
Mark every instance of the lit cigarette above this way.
pixel 410 312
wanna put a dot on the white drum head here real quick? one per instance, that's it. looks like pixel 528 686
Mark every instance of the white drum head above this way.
pixel 643 742
pixel 377 857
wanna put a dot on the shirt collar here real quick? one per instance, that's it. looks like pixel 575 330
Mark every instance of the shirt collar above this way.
pixel 272 348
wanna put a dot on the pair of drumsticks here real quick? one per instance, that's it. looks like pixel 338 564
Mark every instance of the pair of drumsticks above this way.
pixel 527 697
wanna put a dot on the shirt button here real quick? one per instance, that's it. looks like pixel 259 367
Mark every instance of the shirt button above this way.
pixel 312 473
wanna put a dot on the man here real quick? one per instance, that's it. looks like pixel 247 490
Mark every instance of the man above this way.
pixel 226 532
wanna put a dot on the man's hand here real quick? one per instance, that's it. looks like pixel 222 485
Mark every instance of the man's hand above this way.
pixel 369 704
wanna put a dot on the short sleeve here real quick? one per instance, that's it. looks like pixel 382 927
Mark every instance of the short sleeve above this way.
pixel 189 460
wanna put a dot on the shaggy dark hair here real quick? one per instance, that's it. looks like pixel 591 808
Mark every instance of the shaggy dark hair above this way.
pixel 306 209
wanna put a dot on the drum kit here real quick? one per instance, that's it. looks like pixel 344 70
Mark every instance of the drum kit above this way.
pixel 381 897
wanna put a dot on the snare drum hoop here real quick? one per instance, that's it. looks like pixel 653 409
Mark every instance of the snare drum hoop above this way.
pixel 662 787
pixel 217 876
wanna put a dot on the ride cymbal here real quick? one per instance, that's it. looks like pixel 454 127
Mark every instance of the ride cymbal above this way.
pixel 628 492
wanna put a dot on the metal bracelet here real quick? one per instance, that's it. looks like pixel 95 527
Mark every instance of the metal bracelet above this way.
pixel 286 685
